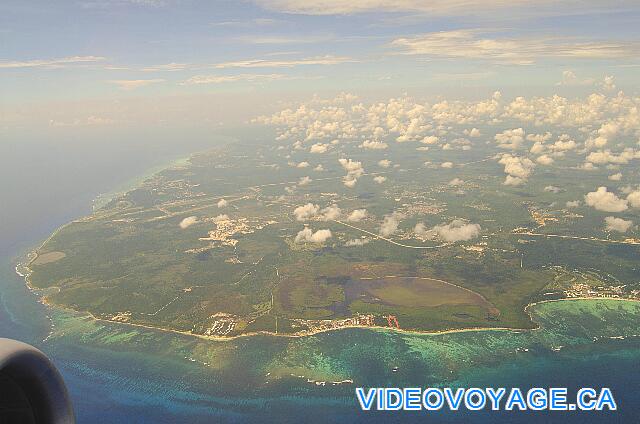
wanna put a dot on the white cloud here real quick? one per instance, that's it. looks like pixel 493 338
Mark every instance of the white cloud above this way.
pixel 357 242
pixel 349 182
pixel 615 177
pixel 384 163
pixel 374 145
pixel 269 63
pixel 188 221
pixel 544 160
pixel 510 139
pixel 308 236
pixel 390 224
pixel 304 181
pixel 357 215
pixel 306 212
pixel 446 165
pixel 564 143
pixel 133 84
pixel 539 138
pixel 617 224
pixel 473 132
pixel 319 148
pixel 303 164
pixel 457 230
pixel 456 182
pixel 220 218
pixel 552 189
pixel 634 199
pixel 379 179
pixel 51 63
pixel 354 171
pixel 569 78
pixel 473 44
pixel 340 7
pixel 607 83
pixel 604 200
pixel 421 230
pixel 219 79
pixel 330 213
pixel 606 156
pixel 222 203
pixel 352 167
pixel 430 139
pixel 573 203
pixel 510 180
pixel 518 169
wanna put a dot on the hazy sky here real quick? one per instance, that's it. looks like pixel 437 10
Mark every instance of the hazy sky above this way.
pixel 119 63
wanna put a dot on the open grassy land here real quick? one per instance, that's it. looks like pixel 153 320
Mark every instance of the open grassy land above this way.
pixel 218 247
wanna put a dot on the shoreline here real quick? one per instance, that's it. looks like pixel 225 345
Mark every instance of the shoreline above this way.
pixel 22 270
pixel 32 255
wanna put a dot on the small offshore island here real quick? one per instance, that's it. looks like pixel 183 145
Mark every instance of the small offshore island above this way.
pixel 240 240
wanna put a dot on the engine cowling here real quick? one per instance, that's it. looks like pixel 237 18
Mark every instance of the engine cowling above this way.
pixel 31 388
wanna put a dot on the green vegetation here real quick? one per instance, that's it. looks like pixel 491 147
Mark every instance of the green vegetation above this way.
pixel 235 266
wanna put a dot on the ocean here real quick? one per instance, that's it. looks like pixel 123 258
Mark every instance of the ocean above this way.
pixel 121 374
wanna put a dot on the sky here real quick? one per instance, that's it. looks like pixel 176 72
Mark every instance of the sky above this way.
pixel 100 65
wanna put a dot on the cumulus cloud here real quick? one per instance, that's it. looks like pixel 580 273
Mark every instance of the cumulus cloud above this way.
pixel 308 236
pixel 430 139
pixel 447 165
pixel 473 132
pixel 601 117
pixel 573 203
pixel 354 171
pixel 510 139
pixel 390 224
pixel 539 138
pixel 304 181
pixel 188 221
pixel 615 177
pixel 357 242
pixel 220 218
pixel 319 148
pixel 374 145
pixel 518 169
pixel 552 189
pixel 564 143
pixel 606 156
pixel 303 164
pixel 379 179
pixel 306 212
pixel 222 203
pixel 330 213
pixel 457 230
pixel 607 83
pixel 384 163
pixel 352 167
pixel 634 199
pixel 544 160
pixel 357 215
pixel 617 224
pixel 606 201
pixel 456 182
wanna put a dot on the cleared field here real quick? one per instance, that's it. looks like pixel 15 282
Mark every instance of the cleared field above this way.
pixel 412 292
pixel 49 257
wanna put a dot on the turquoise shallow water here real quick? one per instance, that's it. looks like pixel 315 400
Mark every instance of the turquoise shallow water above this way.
pixel 118 373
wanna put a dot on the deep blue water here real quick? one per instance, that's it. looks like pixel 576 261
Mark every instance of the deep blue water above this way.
pixel 112 385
